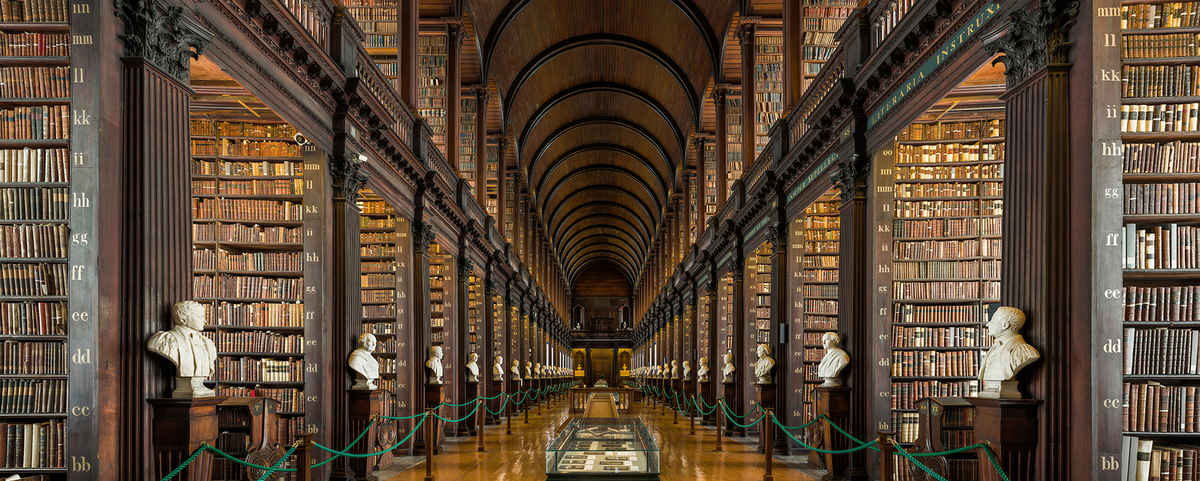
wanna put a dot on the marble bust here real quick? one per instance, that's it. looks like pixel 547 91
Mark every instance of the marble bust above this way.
pixel 528 369
pixel 764 365
pixel 834 361
pixel 472 367
pixel 185 345
pixel 1008 355
pixel 702 371
pixel 498 368
pixel 687 370
pixel 728 369
pixel 538 371
pixel 674 369
pixel 433 366
pixel 516 370
pixel 364 365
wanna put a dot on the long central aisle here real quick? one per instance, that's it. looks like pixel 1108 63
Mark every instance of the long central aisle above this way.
pixel 520 456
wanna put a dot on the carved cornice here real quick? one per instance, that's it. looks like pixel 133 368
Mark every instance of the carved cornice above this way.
pixel 1036 38
pixel 348 176
pixel 850 177
pixel 465 266
pixel 422 236
pixel 745 33
pixel 161 34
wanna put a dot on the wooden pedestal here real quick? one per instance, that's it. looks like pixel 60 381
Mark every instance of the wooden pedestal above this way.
pixel 434 395
pixel 494 404
pixel 767 398
pixel 708 391
pixel 834 403
pixel 180 427
pixel 466 428
pixel 1010 426
pixel 365 405
pixel 728 389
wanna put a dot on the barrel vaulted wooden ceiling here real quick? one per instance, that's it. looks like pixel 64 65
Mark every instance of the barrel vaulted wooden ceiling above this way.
pixel 600 97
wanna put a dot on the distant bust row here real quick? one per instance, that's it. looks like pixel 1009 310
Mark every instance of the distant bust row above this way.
pixel 194 356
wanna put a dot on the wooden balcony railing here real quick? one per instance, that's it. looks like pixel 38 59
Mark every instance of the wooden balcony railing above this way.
pixel 314 16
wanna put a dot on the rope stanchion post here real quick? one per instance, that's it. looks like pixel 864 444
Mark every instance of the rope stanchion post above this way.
pixel 676 410
pixel 768 453
pixel 480 417
pixel 430 429
pixel 720 424
pixel 691 420
pixel 527 408
pixel 887 464
pixel 508 415
pixel 304 458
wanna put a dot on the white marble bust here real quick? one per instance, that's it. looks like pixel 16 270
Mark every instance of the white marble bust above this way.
pixel 515 369
pixel 834 361
pixel 728 369
pixel 185 345
pixel 498 368
pixel 528 369
pixel 364 365
pixel 764 365
pixel 702 371
pixel 472 367
pixel 674 369
pixel 1008 355
pixel 687 370
pixel 433 366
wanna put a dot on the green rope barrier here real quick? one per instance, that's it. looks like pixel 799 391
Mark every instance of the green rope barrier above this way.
pixel 992 457
pixel 740 425
pixel 414 430
pixel 980 446
pixel 913 460
pixel 347 448
pixel 814 448
pixel 401 418
pixel 456 405
pixel 502 406
pixel 279 463
pixel 181 467
pixel 459 420
pixel 230 457
pixel 701 411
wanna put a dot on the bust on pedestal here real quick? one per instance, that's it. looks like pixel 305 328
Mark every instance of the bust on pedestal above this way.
pixel 498 368
pixel 185 345
pixel 1008 355
pixel 363 363
pixel 834 361
pixel 728 369
pixel 702 371
pixel 764 365
pixel 365 401
pixel 472 367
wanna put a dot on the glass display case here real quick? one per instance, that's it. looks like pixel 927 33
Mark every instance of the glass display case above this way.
pixel 603 448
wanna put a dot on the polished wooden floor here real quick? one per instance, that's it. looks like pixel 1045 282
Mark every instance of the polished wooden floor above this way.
pixel 520 456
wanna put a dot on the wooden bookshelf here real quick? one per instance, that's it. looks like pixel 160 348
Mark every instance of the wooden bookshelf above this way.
pixel 1159 276
pixel 768 85
pixel 431 85
pixel 491 179
pixel 378 242
pixel 733 130
pixel 821 20
pixel 379 20
pixel 467 160
pixel 710 181
pixel 475 307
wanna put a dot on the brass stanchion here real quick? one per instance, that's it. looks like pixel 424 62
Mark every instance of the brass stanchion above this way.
pixel 480 417
pixel 720 423
pixel 769 453
pixel 887 465
pixel 429 437
pixel 303 458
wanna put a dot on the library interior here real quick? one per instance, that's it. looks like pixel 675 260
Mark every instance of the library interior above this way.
pixel 601 240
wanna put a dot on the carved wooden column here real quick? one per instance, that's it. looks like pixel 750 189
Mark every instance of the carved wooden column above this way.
pixel 778 235
pixel 854 289
pixel 481 174
pixel 701 186
pixel 793 67
pixel 719 97
pixel 738 402
pixel 748 42
pixel 709 389
pixel 501 193
pixel 464 391
pixel 409 17
pixel 153 255
pixel 454 40
pixel 487 358
pixel 422 237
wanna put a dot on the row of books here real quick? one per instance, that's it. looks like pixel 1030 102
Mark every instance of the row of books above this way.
pixel 39 11
pixel 1159 80
pixel 34 204
pixel 377 251
pixel 1159 15
pixel 247 209
pixel 948 153
pixel 1157 408
pixel 262 168
pixel 371 281
pixel 949 189
pixel 247 287
pixel 1162 45
pixel 959 130
pixel 33 396
pixel 36 122
pixel 257 341
pixel 948 208
pixel 819 247
pixel 375 223
pixel 968 269
pixel 34 240
pixel 946 227
pixel 821 306
pixel 292 187
pixel 255 314
pixel 947 249
pixel 1161 158
pixel 1167 246
pixel 33 445
pixel 1144 459
pixel 906 394
pixel 1165 198
pixel 946 290
pixel 379 296
pixel 940 337
pixel 935 363
pixel 1151 118
pixel 252 369
pixel 953 173
pixel 220 259
pixel 34 82
pixel 34 165
pixel 224 128
pixel 41 279
pixel 258 148
pixel 819 276
pixel 33 319
pixel 33 357
pixel 1161 351
pixel 820 290
pixel 377 237
pixel 1162 303
pixel 34 44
